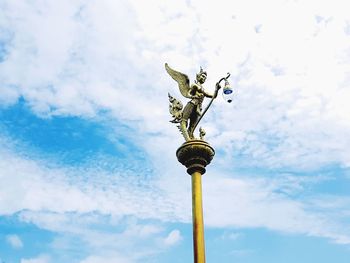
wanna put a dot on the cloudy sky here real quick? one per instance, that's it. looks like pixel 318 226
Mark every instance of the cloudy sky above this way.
pixel 88 171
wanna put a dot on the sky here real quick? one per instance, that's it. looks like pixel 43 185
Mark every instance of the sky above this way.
pixel 88 171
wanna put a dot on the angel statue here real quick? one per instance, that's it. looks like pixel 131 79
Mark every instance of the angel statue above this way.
pixel 189 117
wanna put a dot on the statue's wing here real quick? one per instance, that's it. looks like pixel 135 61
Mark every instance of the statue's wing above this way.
pixel 181 79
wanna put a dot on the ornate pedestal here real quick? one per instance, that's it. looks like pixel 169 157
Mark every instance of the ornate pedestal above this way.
pixel 195 155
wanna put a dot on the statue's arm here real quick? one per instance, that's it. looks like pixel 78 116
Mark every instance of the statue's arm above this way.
pixel 208 95
pixel 217 87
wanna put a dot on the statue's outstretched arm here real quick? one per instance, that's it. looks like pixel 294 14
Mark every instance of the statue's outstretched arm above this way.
pixel 208 95
pixel 217 87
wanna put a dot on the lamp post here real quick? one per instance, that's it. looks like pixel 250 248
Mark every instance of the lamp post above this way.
pixel 195 154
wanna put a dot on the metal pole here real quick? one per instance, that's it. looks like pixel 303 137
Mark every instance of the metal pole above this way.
pixel 197 218
pixel 196 155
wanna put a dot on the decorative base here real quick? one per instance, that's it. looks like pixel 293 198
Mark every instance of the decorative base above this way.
pixel 195 155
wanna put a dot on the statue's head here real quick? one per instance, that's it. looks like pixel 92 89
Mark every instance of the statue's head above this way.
pixel 201 76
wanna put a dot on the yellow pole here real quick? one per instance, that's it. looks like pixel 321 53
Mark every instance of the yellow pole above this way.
pixel 197 218
pixel 196 155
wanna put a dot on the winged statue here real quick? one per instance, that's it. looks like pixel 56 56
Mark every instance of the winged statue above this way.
pixel 189 116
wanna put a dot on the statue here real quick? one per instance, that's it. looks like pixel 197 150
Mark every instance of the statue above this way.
pixel 189 117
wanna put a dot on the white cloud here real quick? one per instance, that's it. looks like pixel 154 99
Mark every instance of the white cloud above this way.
pixel 255 203
pixel 241 252
pixel 15 241
pixel 39 259
pixel 292 77
pixel 76 189
pixel 173 238
pixel 104 259
pixel 57 200
pixel 229 235
pixel 100 237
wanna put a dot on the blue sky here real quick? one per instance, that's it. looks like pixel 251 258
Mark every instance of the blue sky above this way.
pixel 88 171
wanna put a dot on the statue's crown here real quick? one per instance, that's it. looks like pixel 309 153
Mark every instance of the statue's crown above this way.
pixel 202 71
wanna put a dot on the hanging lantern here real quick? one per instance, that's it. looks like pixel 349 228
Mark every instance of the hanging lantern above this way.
pixel 227 92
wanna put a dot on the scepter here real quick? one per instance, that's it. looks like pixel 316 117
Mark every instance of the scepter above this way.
pixel 227 90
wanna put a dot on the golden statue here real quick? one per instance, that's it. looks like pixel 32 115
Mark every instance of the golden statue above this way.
pixel 189 117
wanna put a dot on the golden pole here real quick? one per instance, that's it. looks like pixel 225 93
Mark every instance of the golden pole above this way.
pixel 197 219
pixel 196 155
